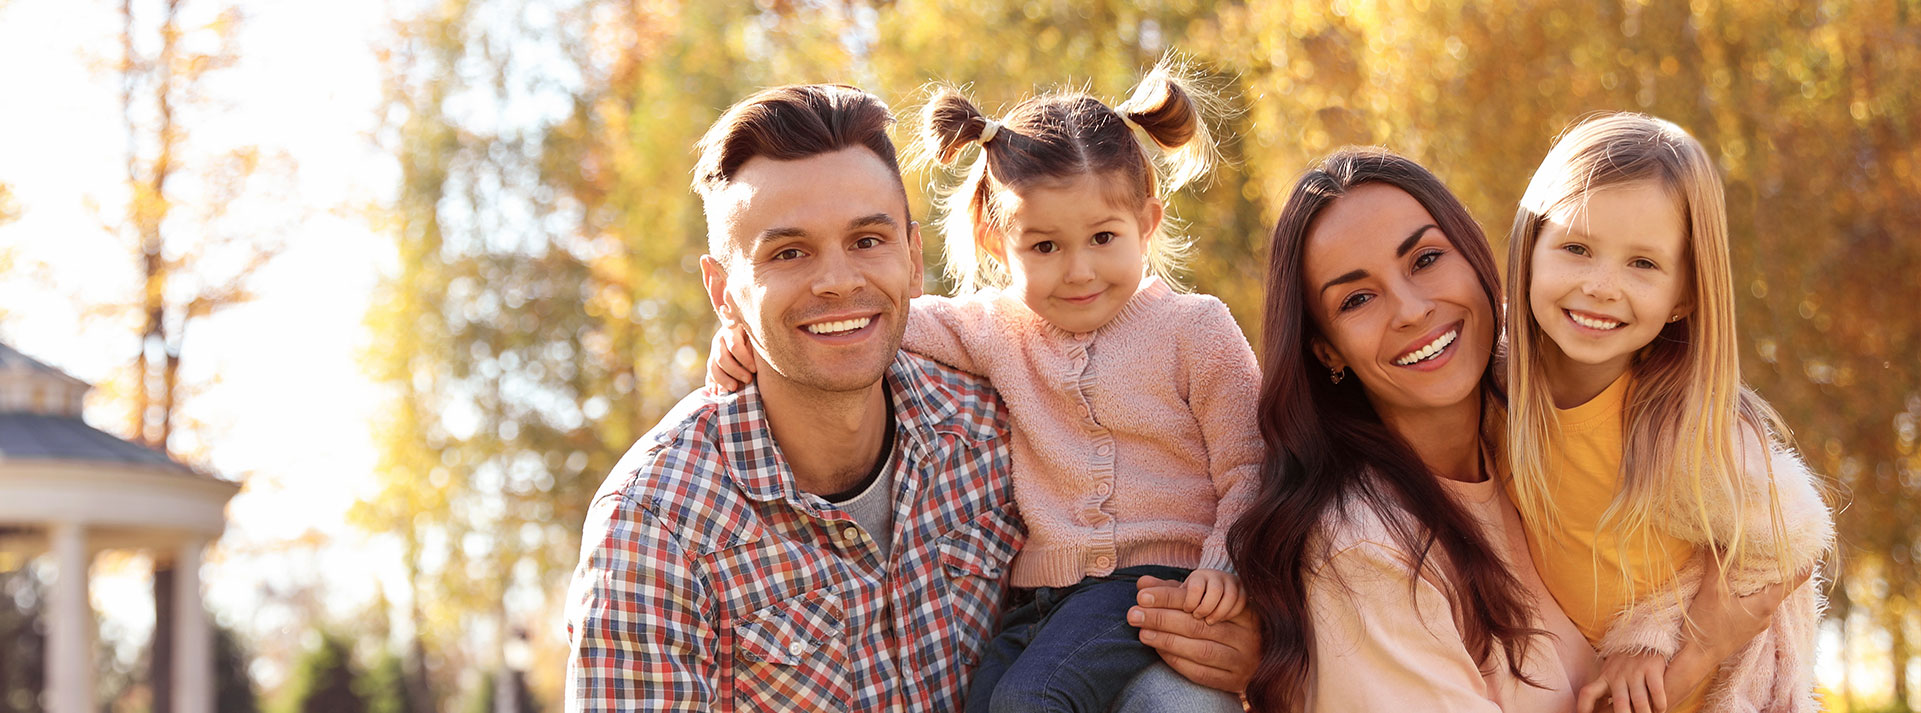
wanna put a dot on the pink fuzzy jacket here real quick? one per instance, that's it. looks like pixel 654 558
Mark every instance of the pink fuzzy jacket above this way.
pixel 1133 444
pixel 1775 672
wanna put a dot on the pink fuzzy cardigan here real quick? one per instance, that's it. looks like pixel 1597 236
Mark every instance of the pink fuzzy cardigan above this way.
pixel 1775 672
pixel 1133 444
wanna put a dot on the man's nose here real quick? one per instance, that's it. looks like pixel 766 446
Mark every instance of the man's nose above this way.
pixel 838 275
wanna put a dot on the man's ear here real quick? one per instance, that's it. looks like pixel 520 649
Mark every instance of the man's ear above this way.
pixel 713 274
pixel 1328 356
pixel 916 286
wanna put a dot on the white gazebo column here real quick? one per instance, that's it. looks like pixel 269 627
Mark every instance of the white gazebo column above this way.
pixel 192 635
pixel 70 634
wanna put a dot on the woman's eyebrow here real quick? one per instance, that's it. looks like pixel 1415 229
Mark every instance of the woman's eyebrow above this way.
pixel 1408 244
pixel 1349 277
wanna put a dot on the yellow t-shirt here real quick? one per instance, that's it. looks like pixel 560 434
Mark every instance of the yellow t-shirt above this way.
pixel 1581 566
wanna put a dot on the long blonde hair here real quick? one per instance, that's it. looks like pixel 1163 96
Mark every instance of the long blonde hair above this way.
pixel 1062 135
pixel 1687 408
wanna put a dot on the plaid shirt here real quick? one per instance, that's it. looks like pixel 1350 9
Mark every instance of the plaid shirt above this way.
pixel 708 581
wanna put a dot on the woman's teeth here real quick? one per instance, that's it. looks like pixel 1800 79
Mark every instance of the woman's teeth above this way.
pixel 1592 323
pixel 1428 352
pixel 845 325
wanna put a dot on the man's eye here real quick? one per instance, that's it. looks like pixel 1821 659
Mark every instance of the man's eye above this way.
pixel 1103 238
pixel 867 242
pixel 788 254
pixel 1045 247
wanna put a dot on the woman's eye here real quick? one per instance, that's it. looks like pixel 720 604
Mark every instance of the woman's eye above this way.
pixel 1355 300
pixel 1575 248
pixel 1103 238
pixel 1425 259
pixel 1045 247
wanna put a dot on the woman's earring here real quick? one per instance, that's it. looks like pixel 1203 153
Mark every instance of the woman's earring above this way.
pixel 1673 319
pixel 1335 375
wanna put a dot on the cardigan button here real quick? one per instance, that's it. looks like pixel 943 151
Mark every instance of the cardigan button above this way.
pixel 1103 490
pixel 1103 449
pixel 1103 561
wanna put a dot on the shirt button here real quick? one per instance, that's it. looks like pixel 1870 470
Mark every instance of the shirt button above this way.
pixel 851 535
pixel 1103 489
pixel 796 647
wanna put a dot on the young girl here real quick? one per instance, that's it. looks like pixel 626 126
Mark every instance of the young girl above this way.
pixel 1135 444
pixel 1641 465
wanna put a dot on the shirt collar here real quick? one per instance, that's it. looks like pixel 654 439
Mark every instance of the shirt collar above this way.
pixel 762 473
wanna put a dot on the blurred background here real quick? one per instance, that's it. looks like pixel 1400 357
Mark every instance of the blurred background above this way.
pixel 412 275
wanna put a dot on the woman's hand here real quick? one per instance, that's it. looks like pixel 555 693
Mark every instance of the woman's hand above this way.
pixel 730 361
pixel 1220 656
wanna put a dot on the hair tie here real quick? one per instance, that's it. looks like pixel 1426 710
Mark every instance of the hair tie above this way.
pixel 990 130
pixel 1129 121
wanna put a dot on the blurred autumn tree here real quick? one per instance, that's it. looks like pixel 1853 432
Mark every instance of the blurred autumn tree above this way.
pixel 545 308
pixel 192 258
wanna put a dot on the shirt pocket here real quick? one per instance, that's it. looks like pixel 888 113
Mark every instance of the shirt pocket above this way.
pixel 974 559
pixel 793 653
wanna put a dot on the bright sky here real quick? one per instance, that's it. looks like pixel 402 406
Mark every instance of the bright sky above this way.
pixel 293 406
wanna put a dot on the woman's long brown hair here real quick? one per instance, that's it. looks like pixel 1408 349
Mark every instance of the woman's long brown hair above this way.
pixel 1326 446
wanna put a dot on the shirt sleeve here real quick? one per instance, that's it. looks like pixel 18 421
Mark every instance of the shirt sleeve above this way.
pixel 1224 393
pixel 639 635
pixel 950 330
pixel 1385 637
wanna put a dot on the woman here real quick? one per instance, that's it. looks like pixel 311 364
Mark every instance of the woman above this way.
pixel 1385 561
pixel 1386 564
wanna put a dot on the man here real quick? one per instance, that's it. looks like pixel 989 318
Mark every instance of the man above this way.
pixel 836 535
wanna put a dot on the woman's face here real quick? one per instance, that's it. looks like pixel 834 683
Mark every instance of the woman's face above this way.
pixel 1396 302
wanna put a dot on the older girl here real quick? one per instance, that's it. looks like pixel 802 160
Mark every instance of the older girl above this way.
pixel 1642 465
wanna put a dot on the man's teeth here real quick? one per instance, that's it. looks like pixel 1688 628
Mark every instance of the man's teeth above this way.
pixel 845 325
pixel 1432 348
pixel 1592 323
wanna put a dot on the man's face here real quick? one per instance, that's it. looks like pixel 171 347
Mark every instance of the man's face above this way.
pixel 818 262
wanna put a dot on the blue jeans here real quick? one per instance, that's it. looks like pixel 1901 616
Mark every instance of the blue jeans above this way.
pixel 1158 689
pixel 1067 649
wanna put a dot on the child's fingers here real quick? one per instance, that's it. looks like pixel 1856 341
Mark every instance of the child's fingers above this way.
pixel 1588 700
pixel 1210 601
pixel 1231 604
pixel 718 382
pixel 1638 696
pixel 1618 692
pixel 742 350
pixel 1657 690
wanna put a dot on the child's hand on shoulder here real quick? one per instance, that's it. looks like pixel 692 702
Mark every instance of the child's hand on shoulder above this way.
pixel 730 361
pixel 1627 684
pixel 1213 595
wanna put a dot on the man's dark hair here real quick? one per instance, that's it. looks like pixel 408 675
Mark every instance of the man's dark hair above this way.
pixel 790 123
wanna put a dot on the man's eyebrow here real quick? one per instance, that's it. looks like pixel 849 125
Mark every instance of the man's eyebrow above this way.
pixel 781 233
pixel 869 221
pixel 1408 244
pixel 1349 277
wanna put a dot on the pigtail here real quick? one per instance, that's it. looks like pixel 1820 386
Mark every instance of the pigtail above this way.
pixel 1173 105
pixel 948 124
